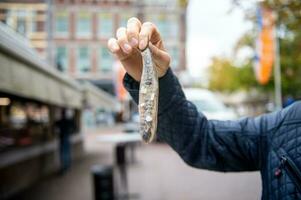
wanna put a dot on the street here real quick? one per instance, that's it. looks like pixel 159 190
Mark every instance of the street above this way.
pixel 158 174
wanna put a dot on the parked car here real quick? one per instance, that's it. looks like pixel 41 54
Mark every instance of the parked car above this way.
pixel 209 104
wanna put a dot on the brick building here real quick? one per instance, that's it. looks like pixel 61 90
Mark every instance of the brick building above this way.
pixel 73 34
pixel 29 18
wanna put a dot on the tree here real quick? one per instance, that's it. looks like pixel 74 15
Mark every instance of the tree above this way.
pixel 225 76
pixel 288 23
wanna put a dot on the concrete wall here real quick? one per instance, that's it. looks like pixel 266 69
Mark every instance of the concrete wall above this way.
pixel 21 175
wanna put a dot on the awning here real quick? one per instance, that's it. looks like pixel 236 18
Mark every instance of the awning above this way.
pixel 97 98
pixel 23 73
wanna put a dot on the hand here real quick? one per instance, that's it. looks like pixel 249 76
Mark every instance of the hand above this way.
pixel 130 41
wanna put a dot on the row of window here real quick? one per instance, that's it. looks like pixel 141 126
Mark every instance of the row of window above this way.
pixel 30 21
pixel 84 24
pixel 105 59
pixel 167 24
pixel 24 22
pixel 84 59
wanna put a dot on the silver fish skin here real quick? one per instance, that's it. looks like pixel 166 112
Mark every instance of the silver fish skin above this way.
pixel 148 98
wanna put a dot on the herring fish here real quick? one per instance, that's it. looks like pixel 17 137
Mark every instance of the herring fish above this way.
pixel 148 98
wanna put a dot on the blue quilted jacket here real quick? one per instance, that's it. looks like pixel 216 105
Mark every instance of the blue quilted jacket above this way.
pixel 270 143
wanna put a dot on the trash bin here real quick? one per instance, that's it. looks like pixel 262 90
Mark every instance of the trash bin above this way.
pixel 103 182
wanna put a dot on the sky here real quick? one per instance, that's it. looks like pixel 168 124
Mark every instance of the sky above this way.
pixel 212 30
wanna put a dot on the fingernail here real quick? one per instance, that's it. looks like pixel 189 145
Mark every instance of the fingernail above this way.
pixel 127 47
pixel 133 42
pixel 142 44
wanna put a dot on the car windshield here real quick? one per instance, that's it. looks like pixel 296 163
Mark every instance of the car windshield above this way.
pixel 208 106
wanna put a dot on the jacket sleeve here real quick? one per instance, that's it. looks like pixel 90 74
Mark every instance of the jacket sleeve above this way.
pixel 208 144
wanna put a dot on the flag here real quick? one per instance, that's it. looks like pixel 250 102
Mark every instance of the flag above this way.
pixel 265 45
pixel 119 88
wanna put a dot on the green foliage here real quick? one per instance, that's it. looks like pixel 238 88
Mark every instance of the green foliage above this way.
pixel 288 12
pixel 291 66
pixel 225 76
pixel 289 22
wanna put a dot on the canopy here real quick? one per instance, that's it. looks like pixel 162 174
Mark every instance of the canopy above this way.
pixel 97 98
pixel 24 74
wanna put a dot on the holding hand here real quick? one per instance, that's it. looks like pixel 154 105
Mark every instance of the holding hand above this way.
pixel 129 43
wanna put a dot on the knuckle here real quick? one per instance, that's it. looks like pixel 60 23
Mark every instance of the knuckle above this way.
pixel 121 40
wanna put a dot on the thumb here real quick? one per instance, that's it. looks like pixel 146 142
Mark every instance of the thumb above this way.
pixel 160 57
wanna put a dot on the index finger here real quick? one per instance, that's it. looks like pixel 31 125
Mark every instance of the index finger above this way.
pixel 148 33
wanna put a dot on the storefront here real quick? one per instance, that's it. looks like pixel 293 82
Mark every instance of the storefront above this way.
pixel 32 96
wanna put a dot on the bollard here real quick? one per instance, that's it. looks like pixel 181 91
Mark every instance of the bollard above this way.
pixel 103 182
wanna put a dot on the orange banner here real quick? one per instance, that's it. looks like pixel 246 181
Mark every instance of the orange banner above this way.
pixel 265 46
pixel 120 90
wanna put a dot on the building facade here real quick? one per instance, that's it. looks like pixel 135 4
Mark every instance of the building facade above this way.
pixel 28 18
pixel 81 29
pixel 72 34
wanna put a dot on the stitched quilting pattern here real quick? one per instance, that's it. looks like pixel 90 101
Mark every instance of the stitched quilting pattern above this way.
pixel 242 145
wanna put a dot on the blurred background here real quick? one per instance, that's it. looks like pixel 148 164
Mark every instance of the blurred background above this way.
pixel 68 128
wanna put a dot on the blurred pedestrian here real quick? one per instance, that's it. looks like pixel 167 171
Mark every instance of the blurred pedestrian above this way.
pixel 270 143
pixel 65 128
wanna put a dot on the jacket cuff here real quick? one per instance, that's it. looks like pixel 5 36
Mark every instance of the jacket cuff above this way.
pixel 132 86
pixel 168 86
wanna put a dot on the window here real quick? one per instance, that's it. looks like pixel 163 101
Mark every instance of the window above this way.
pixel 21 22
pixel 163 27
pixel 106 61
pixel 9 18
pixel 62 59
pixel 173 24
pixel 124 19
pixel 167 25
pixel 160 21
pixel 21 26
pixel 83 60
pixel 62 23
pixel 105 25
pixel 24 22
pixel 83 26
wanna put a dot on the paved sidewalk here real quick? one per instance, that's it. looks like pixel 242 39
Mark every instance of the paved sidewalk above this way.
pixel 159 175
